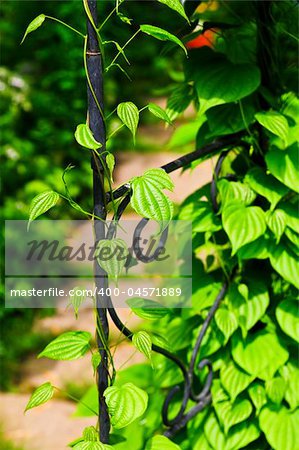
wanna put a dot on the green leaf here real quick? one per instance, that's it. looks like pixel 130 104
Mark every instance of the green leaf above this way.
pixel 291 211
pixel 230 414
pixel 162 35
pixel 110 161
pixel 161 442
pixel 149 200
pixel 257 249
pixel 290 374
pixel 92 445
pixel 219 81
pixel 129 115
pixel 259 353
pixel 234 379
pixel 285 263
pixel 280 427
pixel 243 224
pixel 88 405
pixel 274 122
pixel 142 341
pixel 34 25
pixel 77 299
pixel 238 437
pixel 178 101
pixel 41 204
pixel 276 389
pixel 283 165
pixel 125 404
pixel 95 361
pixel 111 255
pixel 257 395
pixel 84 137
pixel 290 105
pixel 147 309
pixel 251 310
pixel 159 112
pixel 226 322
pixel 176 6
pixel 68 346
pixel 234 190
pixel 41 395
pixel 287 314
pixel 266 185
pixel 277 222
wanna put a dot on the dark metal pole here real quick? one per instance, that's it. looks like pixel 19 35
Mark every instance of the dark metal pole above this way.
pixel 97 126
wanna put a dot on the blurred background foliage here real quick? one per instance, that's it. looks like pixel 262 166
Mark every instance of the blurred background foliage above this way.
pixel 43 99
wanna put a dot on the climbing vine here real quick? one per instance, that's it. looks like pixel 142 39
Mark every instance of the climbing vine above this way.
pixel 230 380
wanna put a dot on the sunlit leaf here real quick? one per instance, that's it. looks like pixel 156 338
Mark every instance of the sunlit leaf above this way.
pixel 149 200
pixel 142 341
pixel 276 389
pixel 274 122
pixel 259 353
pixel 34 25
pixel 284 166
pixel 161 442
pixel 177 6
pixel 110 161
pixel 287 314
pixel 162 35
pixel 84 137
pixel 243 224
pixel 159 112
pixel 230 414
pixel 266 185
pixel 77 299
pixel 68 346
pixel 129 115
pixel 41 204
pixel 41 395
pixel 277 223
pixel 280 427
pixel 257 395
pixel 125 404
pixel 285 263
pixel 234 379
pixel 111 255
pixel 147 309
pixel 226 322
pixel 95 361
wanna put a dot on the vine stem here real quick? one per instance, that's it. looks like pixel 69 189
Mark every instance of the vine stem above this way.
pixel 65 25
pixel 94 71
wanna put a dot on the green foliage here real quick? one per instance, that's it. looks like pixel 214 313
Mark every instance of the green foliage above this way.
pixel 68 346
pixel 41 204
pixel 247 234
pixel 84 137
pixel 112 255
pixel 162 35
pixel 41 395
pixel 125 404
pixel 148 198
pixel 34 25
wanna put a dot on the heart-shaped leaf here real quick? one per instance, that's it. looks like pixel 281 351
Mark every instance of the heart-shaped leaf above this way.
pixel 283 166
pixel 41 204
pixel 143 343
pixel 125 404
pixel 234 379
pixel 226 322
pixel 277 222
pixel 129 115
pixel 147 309
pixel 68 346
pixel 274 122
pixel 84 137
pixel 266 185
pixel 41 395
pixel 280 427
pixel 260 354
pixel 285 262
pixel 257 395
pixel 243 224
pixel 162 35
pixel 287 314
pixel 230 414
pixel 149 200
pixel 276 389
pixel 111 255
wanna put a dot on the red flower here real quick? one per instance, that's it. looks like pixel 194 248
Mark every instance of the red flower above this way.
pixel 206 39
